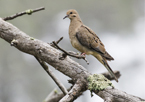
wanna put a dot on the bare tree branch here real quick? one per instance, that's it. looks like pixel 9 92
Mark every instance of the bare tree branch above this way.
pixel 74 92
pixel 59 84
pixel 29 12
pixel 108 76
pixel 73 54
pixel 54 96
pixel 114 95
pixel 70 68
pixel 56 42
pixel 42 63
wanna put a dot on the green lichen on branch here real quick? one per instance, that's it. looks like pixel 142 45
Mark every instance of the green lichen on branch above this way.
pixel 14 42
pixel 29 12
pixel 98 82
pixel 31 38
pixel 56 91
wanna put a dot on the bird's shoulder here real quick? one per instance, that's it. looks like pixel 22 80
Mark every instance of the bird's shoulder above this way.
pixel 84 30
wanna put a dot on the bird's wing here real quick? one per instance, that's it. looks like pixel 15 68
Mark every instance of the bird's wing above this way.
pixel 90 40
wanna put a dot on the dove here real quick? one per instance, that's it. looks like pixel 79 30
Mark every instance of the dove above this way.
pixel 86 41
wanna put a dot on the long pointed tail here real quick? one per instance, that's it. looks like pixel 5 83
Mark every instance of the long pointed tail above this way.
pixel 109 69
pixel 104 62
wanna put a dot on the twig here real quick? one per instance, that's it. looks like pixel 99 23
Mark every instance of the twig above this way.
pixel 59 40
pixel 45 67
pixel 76 55
pixel 56 42
pixel 29 12
pixel 108 76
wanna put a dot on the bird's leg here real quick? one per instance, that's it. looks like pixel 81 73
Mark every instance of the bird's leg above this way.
pixel 83 53
pixel 65 53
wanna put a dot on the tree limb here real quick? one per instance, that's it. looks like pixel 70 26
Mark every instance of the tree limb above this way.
pixel 54 96
pixel 70 68
pixel 74 92
pixel 59 84
pixel 114 95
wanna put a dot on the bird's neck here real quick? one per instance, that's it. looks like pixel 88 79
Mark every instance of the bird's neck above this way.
pixel 75 24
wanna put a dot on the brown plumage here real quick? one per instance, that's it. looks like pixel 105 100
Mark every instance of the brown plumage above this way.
pixel 86 41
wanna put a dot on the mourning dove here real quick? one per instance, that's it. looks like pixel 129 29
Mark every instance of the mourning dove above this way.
pixel 86 41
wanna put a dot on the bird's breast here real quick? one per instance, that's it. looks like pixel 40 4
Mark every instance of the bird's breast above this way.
pixel 73 28
pixel 76 44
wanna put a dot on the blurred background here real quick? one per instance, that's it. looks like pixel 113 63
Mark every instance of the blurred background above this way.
pixel 120 24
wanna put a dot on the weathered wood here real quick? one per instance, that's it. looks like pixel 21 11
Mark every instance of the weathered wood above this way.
pixel 72 69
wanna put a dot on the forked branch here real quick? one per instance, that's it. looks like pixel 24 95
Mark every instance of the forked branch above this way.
pixel 67 66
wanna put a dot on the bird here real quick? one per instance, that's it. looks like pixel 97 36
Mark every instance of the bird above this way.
pixel 86 41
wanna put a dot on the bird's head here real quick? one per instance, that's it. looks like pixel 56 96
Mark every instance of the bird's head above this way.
pixel 71 14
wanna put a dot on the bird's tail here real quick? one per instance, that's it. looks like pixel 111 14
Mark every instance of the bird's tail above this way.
pixel 109 69
pixel 104 62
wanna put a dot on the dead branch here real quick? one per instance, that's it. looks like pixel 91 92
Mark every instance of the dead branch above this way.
pixel 73 54
pixel 49 72
pixel 50 55
pixel 29 12
pixel 73 94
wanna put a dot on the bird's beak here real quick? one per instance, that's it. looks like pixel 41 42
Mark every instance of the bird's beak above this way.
pixel 66 16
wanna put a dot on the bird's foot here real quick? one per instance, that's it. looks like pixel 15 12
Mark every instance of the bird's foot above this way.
pixel 83 53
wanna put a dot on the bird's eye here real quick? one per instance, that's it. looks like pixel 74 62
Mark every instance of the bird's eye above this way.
pixel 71 13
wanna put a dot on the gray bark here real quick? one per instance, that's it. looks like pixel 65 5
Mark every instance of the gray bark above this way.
pixel 50 55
